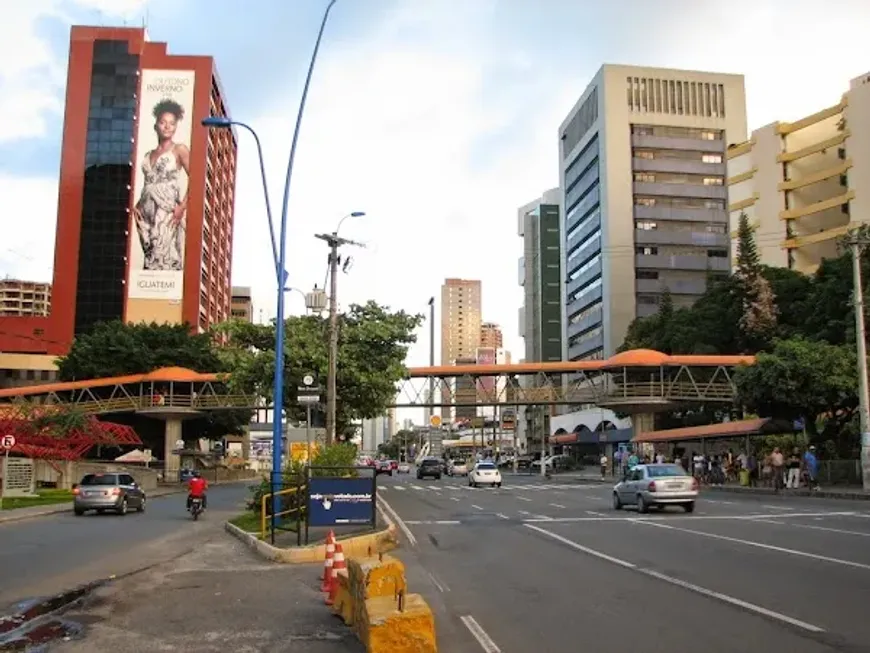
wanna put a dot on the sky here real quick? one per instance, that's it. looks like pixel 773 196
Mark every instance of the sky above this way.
pixel 438 118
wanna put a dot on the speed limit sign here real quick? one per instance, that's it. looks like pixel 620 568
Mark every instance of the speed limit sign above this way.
pixel 7 442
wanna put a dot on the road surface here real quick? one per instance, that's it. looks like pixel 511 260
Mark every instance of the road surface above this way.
pixel 550 566
pixel 50 554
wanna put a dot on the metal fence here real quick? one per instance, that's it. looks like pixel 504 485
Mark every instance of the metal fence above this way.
pixel 290 516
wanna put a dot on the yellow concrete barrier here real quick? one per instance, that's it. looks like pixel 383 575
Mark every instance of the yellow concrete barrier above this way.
pixel 344 604
pixel 371 578
pixel 403 624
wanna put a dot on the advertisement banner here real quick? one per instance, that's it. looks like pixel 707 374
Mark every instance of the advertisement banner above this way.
pixel 160 182
pixel 337 501
pixel 486 384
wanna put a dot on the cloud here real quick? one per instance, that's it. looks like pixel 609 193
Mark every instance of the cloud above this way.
pixel 404 124
pixel 28 253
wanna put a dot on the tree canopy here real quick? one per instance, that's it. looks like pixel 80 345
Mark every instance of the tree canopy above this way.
pixel 372 344
pixel 801 327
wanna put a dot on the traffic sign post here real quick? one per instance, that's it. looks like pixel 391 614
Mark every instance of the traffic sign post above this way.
pixel 308 396
pixel 6 444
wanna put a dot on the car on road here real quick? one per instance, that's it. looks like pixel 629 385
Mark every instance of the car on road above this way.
pixel 115 492
pixel 383 467
pixel 404 468
pixel 656 486
pixel 484 473
pixel 457 468
pixel 429 467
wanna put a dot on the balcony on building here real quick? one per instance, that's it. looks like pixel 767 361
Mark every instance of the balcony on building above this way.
pixel 682 262
pixel 676 143
pixel 688 214
pixel 667 237
pixel 680 190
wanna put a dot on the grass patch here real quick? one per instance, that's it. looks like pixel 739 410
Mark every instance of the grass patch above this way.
pixel 248 522
pixel 43 498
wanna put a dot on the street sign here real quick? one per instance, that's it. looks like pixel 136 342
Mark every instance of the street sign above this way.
pixel 435 420
pixel 339 501
pixel 307 400
pixel 7 442
pixel 308 380
pixel 307 395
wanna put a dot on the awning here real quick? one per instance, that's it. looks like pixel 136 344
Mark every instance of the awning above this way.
pixel 742 428
pixel 564 438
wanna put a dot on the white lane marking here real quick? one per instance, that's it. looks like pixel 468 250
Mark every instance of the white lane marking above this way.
pixel 524 512
pixel 696 517
pixel 557 505
pixel 433 522
pixel 480 635
pixel 725 598
pixel 770 507
pixel 441 586
pixel 393 517
pixel 416 487
pixel 401 488
pixel 452 487
pixel 594 514
pixel 759 545
pixel 454 498
pixel 501 515
pixel 476 507
pixel 382 488
pixel 524 498
pixel 815 528
pixel 541 518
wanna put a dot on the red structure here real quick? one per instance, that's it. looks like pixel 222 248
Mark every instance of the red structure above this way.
pixel 98 171
pixel 34 441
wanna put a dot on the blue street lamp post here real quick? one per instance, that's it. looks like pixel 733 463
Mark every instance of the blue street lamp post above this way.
pixel 280 265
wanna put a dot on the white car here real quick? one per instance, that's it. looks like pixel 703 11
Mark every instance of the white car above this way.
pixel 656 486
pixel 457 468
pixel 484 474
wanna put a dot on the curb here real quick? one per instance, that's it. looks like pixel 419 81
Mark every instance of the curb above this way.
pixel 767 492
pixel 357 546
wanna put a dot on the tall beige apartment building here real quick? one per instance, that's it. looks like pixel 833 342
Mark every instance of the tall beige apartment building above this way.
pixel 242 304
pixel 642 177
pixel 460 319
pixel 491 335
pixel 805 184
pixel 24 298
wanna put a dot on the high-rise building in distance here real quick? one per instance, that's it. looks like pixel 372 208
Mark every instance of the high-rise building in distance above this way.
pixel 491 335
pixel 242 305
pixel 24 298
pixel 540 276
pixel 642 173
pixel 145 207
pixel 460 319
pixel 804 184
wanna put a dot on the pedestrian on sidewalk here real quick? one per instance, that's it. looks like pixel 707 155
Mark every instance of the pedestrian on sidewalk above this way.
pixel 777 463
pixel 811 465
pixel 793 481
pixel 603 463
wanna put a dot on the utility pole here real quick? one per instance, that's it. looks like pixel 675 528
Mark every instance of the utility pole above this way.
pixel 334 242
pixel 857 243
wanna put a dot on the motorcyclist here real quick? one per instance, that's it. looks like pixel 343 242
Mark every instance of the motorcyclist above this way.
pixel 197 487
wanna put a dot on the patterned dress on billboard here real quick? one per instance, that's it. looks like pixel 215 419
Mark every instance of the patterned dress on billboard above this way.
pixel 162 241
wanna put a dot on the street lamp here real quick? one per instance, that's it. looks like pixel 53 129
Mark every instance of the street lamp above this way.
pixel 280 253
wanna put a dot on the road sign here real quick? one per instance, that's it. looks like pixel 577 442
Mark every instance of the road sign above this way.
pixel 435 420
pixel 308 396
pixel 7 442
pixel 341 501
pixel 308 380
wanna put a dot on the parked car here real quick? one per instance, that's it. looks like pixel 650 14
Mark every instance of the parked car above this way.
pixel 656 486
pixel 116 492
pixel 429 467
pixel 484 473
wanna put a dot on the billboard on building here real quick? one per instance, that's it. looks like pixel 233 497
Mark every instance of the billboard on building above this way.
pixel 486 384
pixel 160 185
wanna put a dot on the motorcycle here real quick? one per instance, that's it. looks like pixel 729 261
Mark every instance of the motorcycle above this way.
pixel 196 507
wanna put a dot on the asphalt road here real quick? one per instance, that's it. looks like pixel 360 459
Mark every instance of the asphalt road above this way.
pixel 50 554
pixel 550 566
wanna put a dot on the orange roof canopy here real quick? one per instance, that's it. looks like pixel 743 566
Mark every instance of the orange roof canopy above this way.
pixel 710 431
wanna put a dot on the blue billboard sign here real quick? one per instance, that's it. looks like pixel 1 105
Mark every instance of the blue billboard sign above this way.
pixel 340 501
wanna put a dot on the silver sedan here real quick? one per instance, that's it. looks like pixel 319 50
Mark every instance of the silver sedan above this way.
pixel 659 485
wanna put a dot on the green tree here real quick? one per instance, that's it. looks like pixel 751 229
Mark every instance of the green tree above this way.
pixel 372 345
pixel 118 349
pixel 759 309
pixel 800 379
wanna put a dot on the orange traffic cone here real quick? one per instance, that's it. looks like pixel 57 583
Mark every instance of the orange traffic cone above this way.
pixel 338 564
pixel 327 563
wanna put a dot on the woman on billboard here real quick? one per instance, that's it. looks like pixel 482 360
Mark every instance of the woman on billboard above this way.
pixel 161 208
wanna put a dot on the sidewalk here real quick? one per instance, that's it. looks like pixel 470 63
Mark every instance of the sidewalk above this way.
pixel 850 492
pixel 33 512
